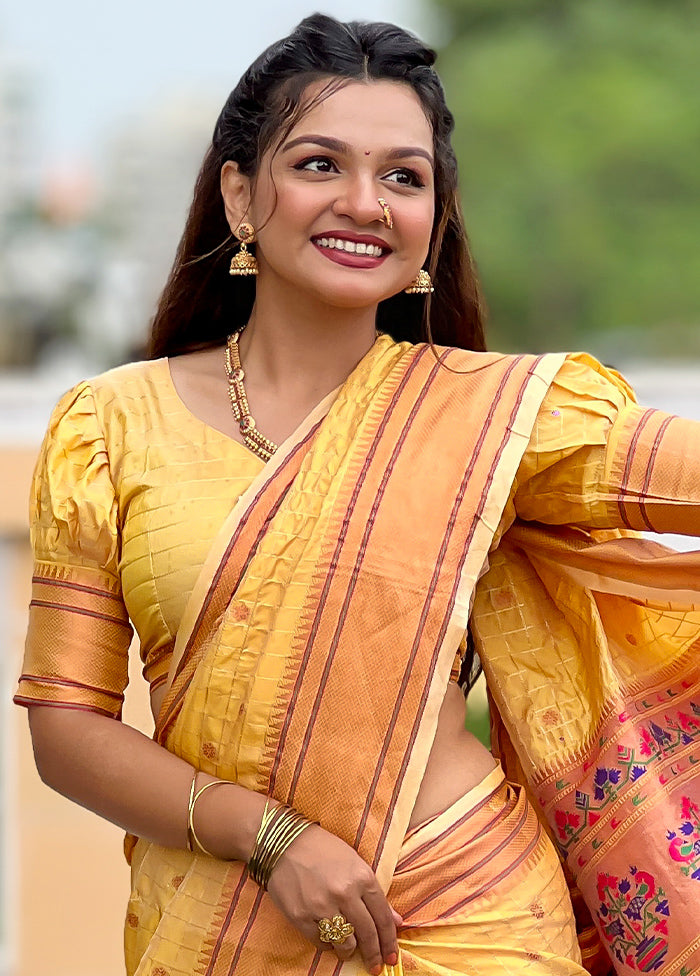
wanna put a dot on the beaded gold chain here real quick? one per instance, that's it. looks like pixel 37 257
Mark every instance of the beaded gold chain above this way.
pixel 254 440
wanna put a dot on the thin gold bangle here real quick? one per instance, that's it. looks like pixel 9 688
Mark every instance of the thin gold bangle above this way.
pixel 282 847
pixel 196 842
pixel 270 814
pixel 270 844
pixel 279 840
pixel 279 827
pixel 190 845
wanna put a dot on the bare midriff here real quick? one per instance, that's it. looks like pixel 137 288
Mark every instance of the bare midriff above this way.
pixel 457 761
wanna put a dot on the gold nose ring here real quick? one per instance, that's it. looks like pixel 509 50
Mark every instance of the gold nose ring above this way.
pixel 387 215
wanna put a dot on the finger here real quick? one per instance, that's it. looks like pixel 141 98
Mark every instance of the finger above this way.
pixel 383 917
pixel 398 920
pixel 367 937
pixel 343 950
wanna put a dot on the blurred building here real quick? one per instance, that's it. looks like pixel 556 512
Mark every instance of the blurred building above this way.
pixel 17 129
pixel 84 256
pixel 16 132
pixel 148 176
pixel 47 248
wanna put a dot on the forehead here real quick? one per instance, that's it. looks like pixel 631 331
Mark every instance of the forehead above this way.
pixel 378 114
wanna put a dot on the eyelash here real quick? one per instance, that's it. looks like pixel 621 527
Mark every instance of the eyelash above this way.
pixel 416 181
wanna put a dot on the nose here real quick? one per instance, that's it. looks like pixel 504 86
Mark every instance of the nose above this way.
pixel 358 200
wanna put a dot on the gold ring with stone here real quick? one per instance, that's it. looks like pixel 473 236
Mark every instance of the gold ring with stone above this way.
pixel 335 930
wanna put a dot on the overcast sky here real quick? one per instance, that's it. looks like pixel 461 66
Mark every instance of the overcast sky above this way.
pixel 94 63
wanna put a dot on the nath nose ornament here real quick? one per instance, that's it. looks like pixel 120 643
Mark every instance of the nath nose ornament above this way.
pixel 387 215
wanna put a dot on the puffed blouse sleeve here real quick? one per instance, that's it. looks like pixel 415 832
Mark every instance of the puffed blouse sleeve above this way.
pixel 598 460
pixel 76 653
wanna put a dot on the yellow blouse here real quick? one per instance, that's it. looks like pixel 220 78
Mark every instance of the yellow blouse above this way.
pixel 131 488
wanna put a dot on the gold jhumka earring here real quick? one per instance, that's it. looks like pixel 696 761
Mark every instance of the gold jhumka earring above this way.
pixel 421 285
pixel 243 262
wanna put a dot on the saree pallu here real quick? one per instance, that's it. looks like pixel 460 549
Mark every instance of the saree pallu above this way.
pixel 591 655
pixel 305 605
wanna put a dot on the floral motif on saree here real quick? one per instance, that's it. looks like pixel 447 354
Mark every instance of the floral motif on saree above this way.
pixel 602 704
pixel 635 914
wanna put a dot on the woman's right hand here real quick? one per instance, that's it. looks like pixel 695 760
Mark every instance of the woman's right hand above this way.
pixel 130 780
pixel 320 876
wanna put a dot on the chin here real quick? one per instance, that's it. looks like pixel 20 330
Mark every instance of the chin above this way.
pixel 353 296
pixel 350 301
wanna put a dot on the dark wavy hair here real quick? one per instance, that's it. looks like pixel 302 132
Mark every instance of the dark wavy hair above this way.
pixel 200 304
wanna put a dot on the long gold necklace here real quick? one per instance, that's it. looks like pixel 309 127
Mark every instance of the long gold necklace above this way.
pixel 254 440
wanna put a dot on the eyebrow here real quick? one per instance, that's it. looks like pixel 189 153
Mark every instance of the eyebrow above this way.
pixel 337 145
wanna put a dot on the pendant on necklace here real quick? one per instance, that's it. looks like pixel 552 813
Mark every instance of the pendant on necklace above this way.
pixel 260 445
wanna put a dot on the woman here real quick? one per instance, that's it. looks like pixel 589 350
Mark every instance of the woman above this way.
pixel 295 518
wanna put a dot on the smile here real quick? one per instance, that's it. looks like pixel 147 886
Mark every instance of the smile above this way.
pixel 352 250
pixel 350 247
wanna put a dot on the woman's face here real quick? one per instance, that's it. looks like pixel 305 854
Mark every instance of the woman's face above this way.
pixel 315 201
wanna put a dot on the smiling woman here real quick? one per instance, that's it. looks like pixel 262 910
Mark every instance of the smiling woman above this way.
pixel 295 502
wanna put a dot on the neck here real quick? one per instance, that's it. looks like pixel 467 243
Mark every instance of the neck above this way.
pixel 296 343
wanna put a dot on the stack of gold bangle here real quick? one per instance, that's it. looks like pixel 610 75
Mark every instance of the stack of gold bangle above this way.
pixel 279 827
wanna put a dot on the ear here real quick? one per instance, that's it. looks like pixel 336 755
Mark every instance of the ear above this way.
pixel 235 190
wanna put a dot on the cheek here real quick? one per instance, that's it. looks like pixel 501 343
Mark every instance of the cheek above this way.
pixel 294 208
pixel 418 227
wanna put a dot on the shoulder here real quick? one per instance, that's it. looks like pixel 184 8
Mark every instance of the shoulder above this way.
pixel 573 394
pixel 579 373
pixel 499 371
pixel 583 402
pixel 584 377
pixel 115 392
pixel 469 360
pixel 95 415
pixel 142 378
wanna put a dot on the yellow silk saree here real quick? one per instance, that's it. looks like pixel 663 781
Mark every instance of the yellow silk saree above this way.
pixel 312 661
pixel 313 657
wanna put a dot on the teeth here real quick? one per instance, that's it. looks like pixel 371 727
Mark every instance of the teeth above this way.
pixel 350 247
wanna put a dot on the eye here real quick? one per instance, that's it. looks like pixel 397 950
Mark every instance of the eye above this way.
pixel 316 164
pixel 405 177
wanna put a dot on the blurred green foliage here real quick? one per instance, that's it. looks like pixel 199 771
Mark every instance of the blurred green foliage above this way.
pixel 477 719
pixel 578 136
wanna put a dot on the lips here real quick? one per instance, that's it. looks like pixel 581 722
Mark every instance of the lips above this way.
pixel 349 242
pixel 352 250
pixel 349 247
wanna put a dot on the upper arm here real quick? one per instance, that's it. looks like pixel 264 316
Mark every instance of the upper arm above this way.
pixel 598 460
pixel 76 653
